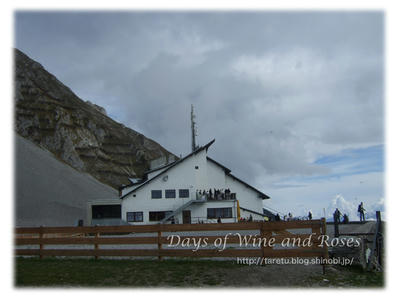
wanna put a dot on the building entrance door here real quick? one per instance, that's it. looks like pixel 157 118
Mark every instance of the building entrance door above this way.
pixel 186 217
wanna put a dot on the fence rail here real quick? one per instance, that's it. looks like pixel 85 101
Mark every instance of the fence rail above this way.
pixel 92 236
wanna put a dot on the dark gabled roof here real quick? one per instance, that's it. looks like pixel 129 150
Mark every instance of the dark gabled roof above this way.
pixel 228 172
pixel 254 212
pixel 120 188
pixel 263 196
pixel 205 147
pixel 268 213
pixel 159 168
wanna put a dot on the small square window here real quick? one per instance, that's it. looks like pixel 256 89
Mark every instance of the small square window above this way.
pixel 184 193
pixel 156 194
pixel 223 212
pixel 170 194
pixel 159 215
pixel 135 216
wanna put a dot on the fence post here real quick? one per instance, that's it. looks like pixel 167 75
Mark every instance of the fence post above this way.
pixel 379 237
pixel 159 242
pixel 264 234
pixel 325 254
pixel 96 245
pixel 336 221
pixel 376 243
pixel 40 245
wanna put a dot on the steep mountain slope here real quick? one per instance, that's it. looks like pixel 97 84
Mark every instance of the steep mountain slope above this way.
pixel 49 192
pixel 77 132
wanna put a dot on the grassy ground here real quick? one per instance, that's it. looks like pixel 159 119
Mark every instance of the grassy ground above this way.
pixel 353 276
pixel 119 273
pixel 52 272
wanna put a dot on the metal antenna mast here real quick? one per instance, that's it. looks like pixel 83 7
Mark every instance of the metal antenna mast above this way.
pixel 194 134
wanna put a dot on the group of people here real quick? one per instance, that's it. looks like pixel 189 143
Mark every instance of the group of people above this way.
pixel 336 217
pixel 248 219
pixel 337 214
pixel 216 194
pixel 277 218
pixel 288 217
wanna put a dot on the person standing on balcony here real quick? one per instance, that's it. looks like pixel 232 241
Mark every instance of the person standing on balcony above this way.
pixel 361 211
pixel 336 216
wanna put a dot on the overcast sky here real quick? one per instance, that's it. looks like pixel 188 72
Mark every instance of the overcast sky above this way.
pixel 294 100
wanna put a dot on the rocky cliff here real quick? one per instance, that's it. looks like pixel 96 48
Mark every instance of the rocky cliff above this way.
pixel 77 132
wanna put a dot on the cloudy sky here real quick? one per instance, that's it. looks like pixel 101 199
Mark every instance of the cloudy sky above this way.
pixel 295 100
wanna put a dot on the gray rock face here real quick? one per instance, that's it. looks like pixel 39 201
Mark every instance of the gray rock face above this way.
pixel 97 107
pixel 77 132
pixel 49 192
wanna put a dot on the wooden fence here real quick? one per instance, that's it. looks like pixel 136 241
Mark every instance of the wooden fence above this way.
pixel 42 237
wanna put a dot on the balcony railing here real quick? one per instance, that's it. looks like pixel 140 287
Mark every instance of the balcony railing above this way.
pixel 206 195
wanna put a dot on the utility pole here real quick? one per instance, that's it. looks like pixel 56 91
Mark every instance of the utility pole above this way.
pixel 194 134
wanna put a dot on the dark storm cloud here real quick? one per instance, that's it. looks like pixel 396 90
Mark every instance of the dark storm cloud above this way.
pixel 277 90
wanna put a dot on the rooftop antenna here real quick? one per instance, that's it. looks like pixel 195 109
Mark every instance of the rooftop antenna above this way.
pixel 194 133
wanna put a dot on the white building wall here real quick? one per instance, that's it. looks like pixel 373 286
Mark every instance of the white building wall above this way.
pixel 126 190
pixel 184 176
pixel 187 176
pixel 247 197
pixel 199 211
pixel 200 160
pixel 216 176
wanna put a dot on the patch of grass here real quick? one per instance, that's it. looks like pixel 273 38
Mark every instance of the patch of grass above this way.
pixel 119 273
pixel 350 276
pixel 191 272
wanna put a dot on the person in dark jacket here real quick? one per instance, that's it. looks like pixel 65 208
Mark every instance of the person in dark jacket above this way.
pixel 310 215
pixel 336 216
pixel 345 219
pixel 361 211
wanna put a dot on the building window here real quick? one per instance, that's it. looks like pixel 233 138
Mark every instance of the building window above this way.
pixel 184 193
pixel 159 215
pixel 156 194
pixel 106 211
pixel 224 212
pixel 170 194
pixel 135 216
